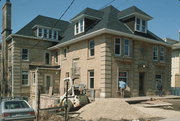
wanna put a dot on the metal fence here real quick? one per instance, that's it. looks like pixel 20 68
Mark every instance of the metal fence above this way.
pixel 175 91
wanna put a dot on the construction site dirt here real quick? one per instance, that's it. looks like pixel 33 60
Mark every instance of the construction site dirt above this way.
pixel 110 110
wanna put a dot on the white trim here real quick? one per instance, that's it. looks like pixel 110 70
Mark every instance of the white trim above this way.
pixel 140 25
pixel 108 31
pixel 137 14
pixel 91 48
pixel 78 23
pixel 84 16
pixel 29 37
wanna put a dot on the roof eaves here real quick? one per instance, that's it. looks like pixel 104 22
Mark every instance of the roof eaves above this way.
pixel 136 14
pixel 109 31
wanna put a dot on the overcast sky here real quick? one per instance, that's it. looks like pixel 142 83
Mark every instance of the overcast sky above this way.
pixel 165 13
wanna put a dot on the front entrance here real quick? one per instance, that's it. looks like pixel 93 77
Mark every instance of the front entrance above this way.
pixel 141 83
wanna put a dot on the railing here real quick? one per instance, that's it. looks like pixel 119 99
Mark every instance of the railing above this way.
pixel 75 71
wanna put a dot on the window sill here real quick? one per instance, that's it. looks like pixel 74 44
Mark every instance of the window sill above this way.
pixel 90 58
pixel 24 85
pixel 25 60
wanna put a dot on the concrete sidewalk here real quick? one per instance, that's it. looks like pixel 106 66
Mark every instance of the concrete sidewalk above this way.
pixel 146 98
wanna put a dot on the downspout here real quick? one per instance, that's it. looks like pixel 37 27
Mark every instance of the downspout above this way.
pixel 36 89
pixel 12 64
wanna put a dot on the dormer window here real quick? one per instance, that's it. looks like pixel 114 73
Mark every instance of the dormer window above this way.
pixel 140 25
pixel 79 27
pixel 47 33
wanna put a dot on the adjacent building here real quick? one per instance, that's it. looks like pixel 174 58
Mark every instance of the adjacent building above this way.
pixel 175 68
pixel 97 47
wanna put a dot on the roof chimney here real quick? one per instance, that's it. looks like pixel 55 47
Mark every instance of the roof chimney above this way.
pixel 6 19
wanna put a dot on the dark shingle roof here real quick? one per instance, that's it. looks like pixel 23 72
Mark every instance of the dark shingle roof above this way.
pixel 90 12
pixel 130 11
pixel 27 30
pixel 109 20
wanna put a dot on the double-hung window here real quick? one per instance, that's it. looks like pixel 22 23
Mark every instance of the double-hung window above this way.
pixel 45 33
pixel 155 53
pixel 126 47
pixel 25 54
pixel 141 25
pixel 40 32
pixel 65 52
pixel 91 47
pixel 117 46
pixel 24 78
pixel 162 55
pixel 47 58
pixel 79 27
pixel 91 79
pixel 56 57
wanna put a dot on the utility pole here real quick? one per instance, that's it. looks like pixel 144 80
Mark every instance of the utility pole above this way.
pixel 6 31
pixel 66 104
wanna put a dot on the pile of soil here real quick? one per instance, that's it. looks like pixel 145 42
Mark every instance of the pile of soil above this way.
pixel 111 108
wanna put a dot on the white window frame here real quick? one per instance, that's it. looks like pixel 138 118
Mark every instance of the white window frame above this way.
pixel 27 74
pixel 55 35
pixel 91 48
pixel 140 25
pixel 162 54
pixel 128 46
pixel 119 44
pixel 91 77
pixel 38 32
pixel 155 53
pixel 46 33
pixel 22 54
pixel 79 27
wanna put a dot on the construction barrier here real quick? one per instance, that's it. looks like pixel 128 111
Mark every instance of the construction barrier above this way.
pixel 175 91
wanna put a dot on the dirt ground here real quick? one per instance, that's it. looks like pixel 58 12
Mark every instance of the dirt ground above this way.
pixel 117 110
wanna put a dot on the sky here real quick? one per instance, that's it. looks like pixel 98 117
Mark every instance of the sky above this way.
pixel 165 13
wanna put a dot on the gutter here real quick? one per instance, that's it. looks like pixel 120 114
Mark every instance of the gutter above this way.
pixel 108 31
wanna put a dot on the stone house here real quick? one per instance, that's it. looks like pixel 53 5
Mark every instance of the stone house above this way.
pixel 108 45
pixel 175 68
pixel 98 48
pixel 30 66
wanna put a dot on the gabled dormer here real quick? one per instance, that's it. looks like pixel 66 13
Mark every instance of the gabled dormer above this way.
pixel 135 19
pixel 85 20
